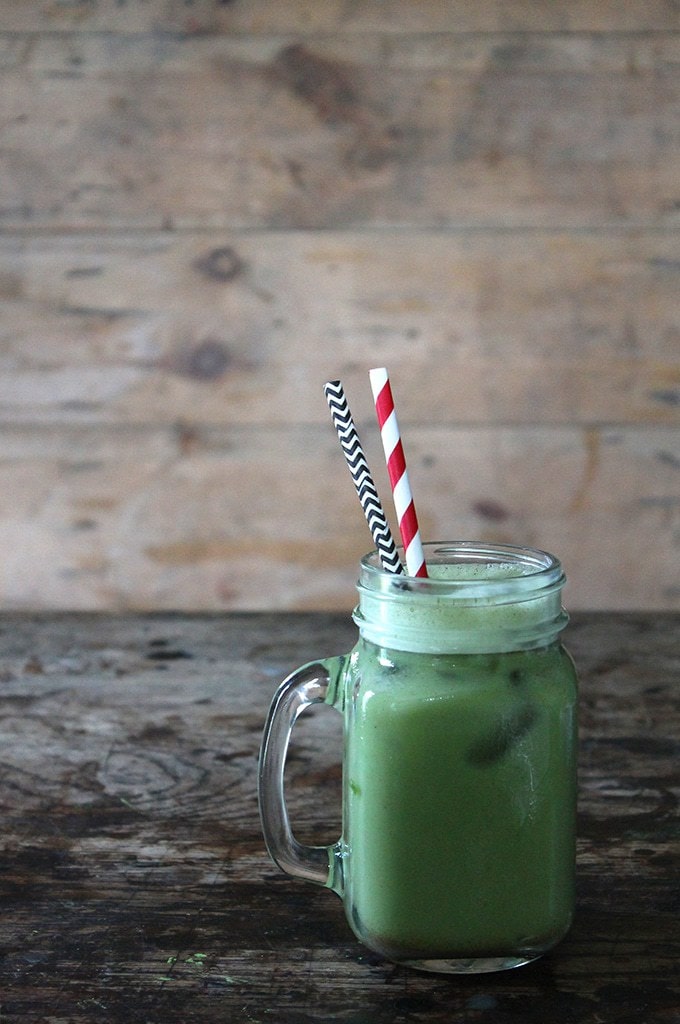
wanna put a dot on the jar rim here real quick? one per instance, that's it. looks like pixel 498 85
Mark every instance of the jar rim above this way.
pixel 478 595
pixel 511 567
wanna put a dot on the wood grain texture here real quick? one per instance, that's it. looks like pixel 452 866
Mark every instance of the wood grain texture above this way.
pixel 208 209
pixel 134 880
pixel 183 131
pixel 259 17
pixel 544 327
pixel 268 517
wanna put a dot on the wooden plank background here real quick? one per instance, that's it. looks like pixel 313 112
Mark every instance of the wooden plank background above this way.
pixel 208 209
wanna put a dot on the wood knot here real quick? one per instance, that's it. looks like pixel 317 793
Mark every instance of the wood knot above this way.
pixel 206 360
pixel 325 84
pixel 223 264
pixel 492 510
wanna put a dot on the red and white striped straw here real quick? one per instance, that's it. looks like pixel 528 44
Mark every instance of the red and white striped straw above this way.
pixel 396 468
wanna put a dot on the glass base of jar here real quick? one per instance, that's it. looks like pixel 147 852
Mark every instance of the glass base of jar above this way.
pixel 471 965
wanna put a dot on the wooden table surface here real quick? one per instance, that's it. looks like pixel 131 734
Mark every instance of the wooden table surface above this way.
pixel 134 882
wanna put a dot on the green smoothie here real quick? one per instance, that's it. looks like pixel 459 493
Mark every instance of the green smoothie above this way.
pixel 459 776
pixel 460 802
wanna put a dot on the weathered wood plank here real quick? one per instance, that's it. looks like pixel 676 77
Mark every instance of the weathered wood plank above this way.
pixel 151 131
pixel 260 517
pixel 498 184
pixel 258 17
pixel 133 874
pixel 485 328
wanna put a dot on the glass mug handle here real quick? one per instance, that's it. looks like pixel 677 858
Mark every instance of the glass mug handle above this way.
pixel 310 684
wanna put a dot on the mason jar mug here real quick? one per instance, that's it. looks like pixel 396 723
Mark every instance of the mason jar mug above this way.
pixel 459 768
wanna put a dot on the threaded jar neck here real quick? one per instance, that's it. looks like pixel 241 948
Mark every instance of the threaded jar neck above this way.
pixel 477 598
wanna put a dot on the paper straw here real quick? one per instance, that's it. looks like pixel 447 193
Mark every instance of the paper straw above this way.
pixel 396 467
pixel 358 467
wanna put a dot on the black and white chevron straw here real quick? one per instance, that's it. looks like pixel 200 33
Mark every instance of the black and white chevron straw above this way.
pixel 358 467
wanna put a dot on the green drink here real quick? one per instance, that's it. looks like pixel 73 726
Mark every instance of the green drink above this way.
pixel 459 779
pixel 460 800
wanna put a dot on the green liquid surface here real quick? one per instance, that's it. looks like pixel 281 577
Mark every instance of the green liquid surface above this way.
pixel 460 801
